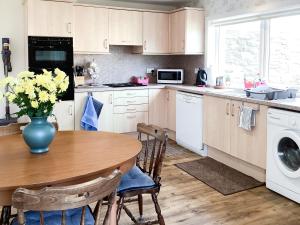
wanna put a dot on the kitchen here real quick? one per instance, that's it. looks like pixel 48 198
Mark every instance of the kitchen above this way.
pixel 237 43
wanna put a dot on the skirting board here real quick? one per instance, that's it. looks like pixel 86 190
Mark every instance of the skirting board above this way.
pixel 240 165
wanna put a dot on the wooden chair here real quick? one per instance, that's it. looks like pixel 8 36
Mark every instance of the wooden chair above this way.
pixel 144 178
pixel 72 200
pixel 10 129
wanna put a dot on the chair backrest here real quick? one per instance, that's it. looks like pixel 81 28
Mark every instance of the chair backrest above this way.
pixel 68 197
pixel 16 128
pixel 13 128
pixel 154 147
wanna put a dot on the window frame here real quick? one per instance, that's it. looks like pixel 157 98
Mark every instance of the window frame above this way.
pixel 213 33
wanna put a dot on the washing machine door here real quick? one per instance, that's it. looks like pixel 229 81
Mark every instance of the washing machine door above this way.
pixel 287 153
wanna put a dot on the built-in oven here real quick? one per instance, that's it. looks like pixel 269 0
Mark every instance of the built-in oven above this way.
pixel 170 76
pixel 50 53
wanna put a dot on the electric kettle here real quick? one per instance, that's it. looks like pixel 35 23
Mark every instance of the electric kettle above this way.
pixel 201 79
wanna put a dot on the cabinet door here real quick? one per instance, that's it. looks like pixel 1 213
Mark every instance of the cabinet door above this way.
pixel 158 107
pixel 177 37
pixel 250 146
pixel 49 18
pixel 90 29
pixel 125 27
pixel 171 111
pixel 79 102
pixel 64 115
pixel 155 32
pixel 105 122
pixel 216 123
pixel 194 31
pixel 127 122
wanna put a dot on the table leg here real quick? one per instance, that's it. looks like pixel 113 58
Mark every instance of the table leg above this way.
pixel 5 215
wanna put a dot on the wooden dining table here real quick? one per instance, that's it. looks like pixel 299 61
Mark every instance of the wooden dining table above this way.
pixel 74 157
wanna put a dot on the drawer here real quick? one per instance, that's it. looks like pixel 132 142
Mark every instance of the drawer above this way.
pixel 131 108
pixel 131 93
pixel 131 101
pixel 127 122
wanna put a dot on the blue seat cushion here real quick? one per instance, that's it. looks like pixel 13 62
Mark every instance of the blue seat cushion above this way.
pixel 73 217
pixel 135 179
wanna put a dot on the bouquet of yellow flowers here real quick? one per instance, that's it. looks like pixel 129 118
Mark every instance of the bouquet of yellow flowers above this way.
pixel 35 94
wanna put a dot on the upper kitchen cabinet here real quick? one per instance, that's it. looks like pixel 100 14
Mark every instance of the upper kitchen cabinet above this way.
pixel 155 34
pixel 49 18
pixel 90 29
pixel 187 31
pixel 125 27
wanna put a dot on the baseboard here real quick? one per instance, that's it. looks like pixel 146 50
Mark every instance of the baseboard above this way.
pixel 171 134
pixel 240 165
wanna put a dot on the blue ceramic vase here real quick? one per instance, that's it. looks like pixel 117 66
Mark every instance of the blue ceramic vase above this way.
pixel 39 134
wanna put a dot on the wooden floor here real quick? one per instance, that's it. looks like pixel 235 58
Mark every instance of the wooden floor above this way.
pixel 187 201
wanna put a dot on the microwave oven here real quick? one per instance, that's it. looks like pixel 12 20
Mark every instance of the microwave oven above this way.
pixel 170 76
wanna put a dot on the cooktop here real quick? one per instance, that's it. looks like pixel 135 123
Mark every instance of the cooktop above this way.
pixel 116 85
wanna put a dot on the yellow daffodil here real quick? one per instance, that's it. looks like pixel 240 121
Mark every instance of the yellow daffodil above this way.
pixel 6 80
pixel 43 96
pixel 25 74
pixel 11 97
pixel 52 98
pixel 34 104
pixel 19 89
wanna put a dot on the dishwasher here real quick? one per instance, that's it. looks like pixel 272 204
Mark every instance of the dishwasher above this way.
pixel 189 118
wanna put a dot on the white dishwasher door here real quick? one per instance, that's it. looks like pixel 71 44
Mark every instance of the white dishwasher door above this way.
pixel 189 122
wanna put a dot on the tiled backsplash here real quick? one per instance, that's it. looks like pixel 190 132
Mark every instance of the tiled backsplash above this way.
pixel 122 64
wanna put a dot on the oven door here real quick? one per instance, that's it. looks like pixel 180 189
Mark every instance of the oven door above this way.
pixel 50 56
pixel 169 77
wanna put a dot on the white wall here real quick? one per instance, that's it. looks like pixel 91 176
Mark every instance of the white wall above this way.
pixel 223 8
pixel 12 26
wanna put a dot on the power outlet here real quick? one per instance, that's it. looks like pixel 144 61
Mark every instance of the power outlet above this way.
pixel 196 70
pixel 149 70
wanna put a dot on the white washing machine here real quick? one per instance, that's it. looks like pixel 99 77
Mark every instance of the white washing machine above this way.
pixel 283 153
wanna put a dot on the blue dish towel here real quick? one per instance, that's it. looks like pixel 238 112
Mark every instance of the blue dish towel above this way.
pixel 91 113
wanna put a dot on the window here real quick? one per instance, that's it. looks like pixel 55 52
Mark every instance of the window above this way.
pixel 265 47
pixel 284 61
pixel 239 52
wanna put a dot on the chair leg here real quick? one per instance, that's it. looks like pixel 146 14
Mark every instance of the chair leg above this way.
pixel 130 215
pixel 140 200
pixel 157 209
pixel 5 215
pixel 120 207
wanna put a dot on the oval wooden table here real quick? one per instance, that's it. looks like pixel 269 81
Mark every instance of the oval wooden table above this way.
pixel 74 157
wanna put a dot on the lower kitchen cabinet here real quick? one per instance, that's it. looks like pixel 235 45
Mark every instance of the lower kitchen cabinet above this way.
pixel 105 122
pixel 221 130
pixel 216 123
pixel 171 109
pixel 106 116
pixel 127 122
pixel 158 107
pixel 249 146
pixel 64 115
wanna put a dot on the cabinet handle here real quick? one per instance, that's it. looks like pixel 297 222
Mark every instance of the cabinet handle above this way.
pixel 227 108
pixel 69 28
pixel 131 102
pixel 70 110
pixel 110 99
pixel 168 95
pixel 131 109
pixel 131 117
pixel 232 110
pixel 105 43
pixel 183 45
pixel 130 94
pixel 145 45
